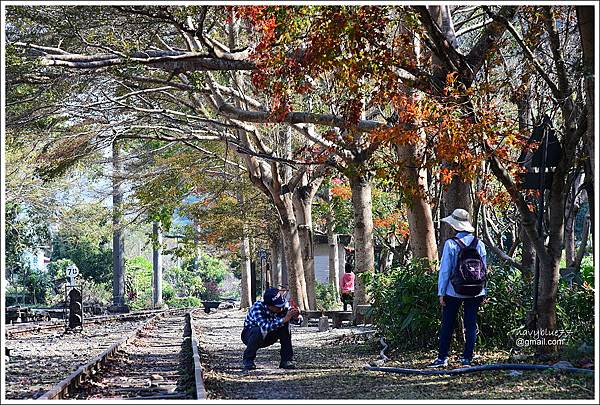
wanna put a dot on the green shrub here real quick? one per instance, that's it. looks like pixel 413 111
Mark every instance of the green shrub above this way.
pixel 504 312
pixel 186 283
pixel 92 293
pixel 575 312
pixel 138 283
pixel 168 292
pixel 184 302
pixel 405 305
pixel 407 313
pixel 587 270
pixel 326 296
pixel 212 269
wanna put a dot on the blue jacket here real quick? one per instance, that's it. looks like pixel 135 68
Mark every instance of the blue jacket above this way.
pixel 448 263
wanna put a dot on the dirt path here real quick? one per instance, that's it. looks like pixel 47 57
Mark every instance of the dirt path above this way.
pixel 330 366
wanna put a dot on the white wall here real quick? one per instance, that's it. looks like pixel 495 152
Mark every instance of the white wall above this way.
pixel 322 262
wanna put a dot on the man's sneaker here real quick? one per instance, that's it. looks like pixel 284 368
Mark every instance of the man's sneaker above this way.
pixel 465 362
pixel 438 363
pixel 287 365
pixel 249 366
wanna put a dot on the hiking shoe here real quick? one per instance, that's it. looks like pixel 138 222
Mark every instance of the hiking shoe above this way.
pixel 438 363
pixel 287 365
pixel 465 362
pixel 249 366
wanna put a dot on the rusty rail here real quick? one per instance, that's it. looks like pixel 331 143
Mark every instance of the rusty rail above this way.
pixel 69 384
pixel 34 328
pixel 199 382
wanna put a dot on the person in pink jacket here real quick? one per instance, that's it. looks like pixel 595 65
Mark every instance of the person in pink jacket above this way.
pixel 347 286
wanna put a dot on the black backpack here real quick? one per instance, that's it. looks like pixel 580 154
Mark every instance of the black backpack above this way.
pixel 469 276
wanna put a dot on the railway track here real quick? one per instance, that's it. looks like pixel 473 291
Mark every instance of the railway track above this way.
pixel 35 328
pixel 158 360
pixel 39 360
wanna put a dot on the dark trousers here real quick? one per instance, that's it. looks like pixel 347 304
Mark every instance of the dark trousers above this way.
pixel 471 306
pixel 253 339
pixel 348 298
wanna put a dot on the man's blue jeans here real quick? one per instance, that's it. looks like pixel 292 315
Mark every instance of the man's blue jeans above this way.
pixel 253 339
pixel 471 306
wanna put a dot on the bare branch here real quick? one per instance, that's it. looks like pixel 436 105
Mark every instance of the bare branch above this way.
pixel 519 39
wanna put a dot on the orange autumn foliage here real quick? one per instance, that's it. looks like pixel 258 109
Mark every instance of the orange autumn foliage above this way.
pixel 343 192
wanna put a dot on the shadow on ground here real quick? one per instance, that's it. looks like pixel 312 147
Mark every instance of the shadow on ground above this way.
pixel 330 366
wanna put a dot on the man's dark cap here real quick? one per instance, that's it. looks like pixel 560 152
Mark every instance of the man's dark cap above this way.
pixel 272 297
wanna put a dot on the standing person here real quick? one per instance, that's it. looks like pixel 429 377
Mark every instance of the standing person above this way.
pixel 347 286
pixel 267 322
pixel 461 280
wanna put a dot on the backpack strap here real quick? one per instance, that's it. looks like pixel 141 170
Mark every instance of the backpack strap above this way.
pixel 459 242
pixel 474 242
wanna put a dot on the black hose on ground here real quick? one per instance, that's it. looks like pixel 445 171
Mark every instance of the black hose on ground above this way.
pixel 485 367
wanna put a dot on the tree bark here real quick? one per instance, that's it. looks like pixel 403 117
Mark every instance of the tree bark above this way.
pixel 458 192
pixel 583 246
pixel 332 241
pixel 157 266
pixel 276 278
pixel 293 253
pixel 283 263
pixel 457 195
pixel 245 298
pixel 363 234
pixel 420 219
pixel 118 239
pixel 527 254
pixel 570 253
pixel 387 253
pixel 521 99
pixel 302 208
pixel 303 199
pixel 585 19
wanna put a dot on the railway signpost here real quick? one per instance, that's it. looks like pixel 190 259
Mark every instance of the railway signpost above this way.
pixel 73 300
pixel 72 272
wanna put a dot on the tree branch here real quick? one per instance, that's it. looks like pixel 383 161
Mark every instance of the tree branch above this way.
pixel 519 39
pixel 489 38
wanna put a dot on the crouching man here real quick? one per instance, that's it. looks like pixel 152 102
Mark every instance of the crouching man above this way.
pixel 267 322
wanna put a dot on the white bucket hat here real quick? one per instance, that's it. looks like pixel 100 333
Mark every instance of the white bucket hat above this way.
pixel 459 220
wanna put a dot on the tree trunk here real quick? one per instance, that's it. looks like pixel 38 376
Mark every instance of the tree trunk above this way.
pixel 363 234
pixel 387 254
pixel 588 184
pixel 420 220
pixel 118 240
pixel 458 192
pixel 293 254
pixel 585 19
pixel 332 241
pixel 457 195
pixel 252 281
pixel 583 246
pixel 527 253
pixel 547 291
pixel 302 198
pixel 276 279
pixel 283 263
pixel 245 298
pixel 157 265
pixel 521 99
pixel 302 209
pixel 570 252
